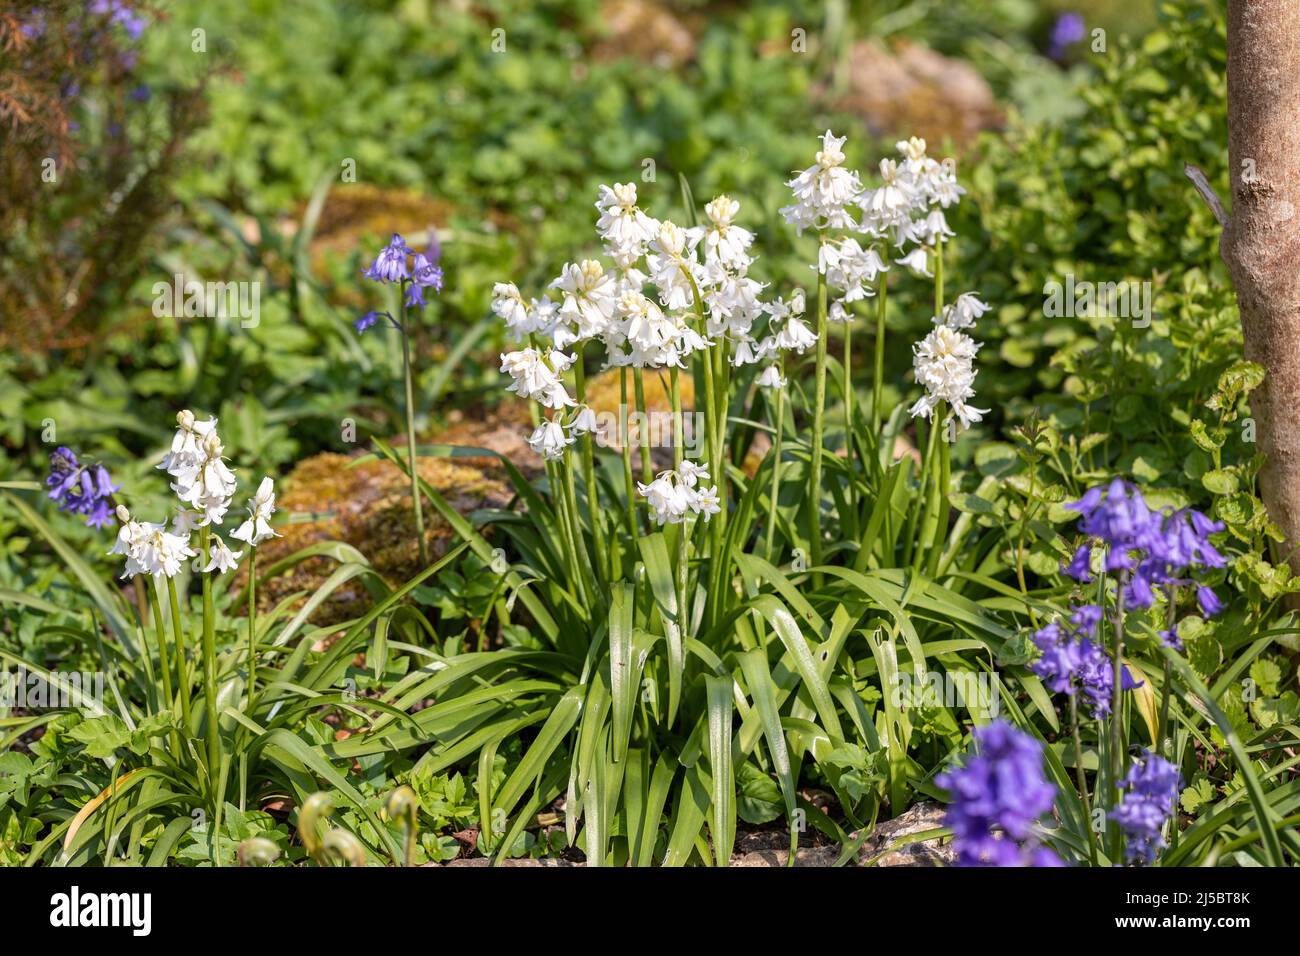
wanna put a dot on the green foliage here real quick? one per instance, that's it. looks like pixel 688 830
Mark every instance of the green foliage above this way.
pixel 577 678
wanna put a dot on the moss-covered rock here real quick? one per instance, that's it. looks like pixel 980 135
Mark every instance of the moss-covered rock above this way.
pixel 367 504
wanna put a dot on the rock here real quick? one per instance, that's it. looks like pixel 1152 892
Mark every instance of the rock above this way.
pixel 369 507
pixel 356 211
pixel 914 91
pixel 923 816
pixel 484 861
pixel 771 847
pixel 645 30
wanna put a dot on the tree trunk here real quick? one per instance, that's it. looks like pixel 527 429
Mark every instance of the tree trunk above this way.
pixel 1261 239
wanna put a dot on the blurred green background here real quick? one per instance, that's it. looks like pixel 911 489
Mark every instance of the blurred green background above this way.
pixel 281 142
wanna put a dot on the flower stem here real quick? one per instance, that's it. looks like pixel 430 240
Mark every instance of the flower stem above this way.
pixel 675 392
pixel 850 399
pixel 915 506
pixel 626 442
pixel 589 476
pixel 252 625
pixel 925 509
pixel 182 674
pixel 878 382
pixel 581 563
pixel 1020 543
pixel 819 410
pixel 714 414
pixel 1116 708
pixel 777 421
pixel 643 426
pixel 1082 778
pixel 938 278
pixel 940 529
pixel 213 728
pixel 675 397
pixel 1162 725
pixel 145 658
pixel 408 382
pixel 164 663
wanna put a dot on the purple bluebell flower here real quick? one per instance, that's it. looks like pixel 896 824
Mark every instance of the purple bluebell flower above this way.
pixel 1154 548
pixel 121 14
pixel 1086 617
pixel 1151 789
pixel 81 489
pixel 1170 639
pixel 1080 565
pixel 424 275
pixel 390 264
pixel 369 319
pixel 1068 30
pixel 998 796
pixel 1072 661
pixel 1208 601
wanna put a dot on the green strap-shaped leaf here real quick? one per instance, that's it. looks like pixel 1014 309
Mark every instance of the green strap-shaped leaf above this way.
pixel 688 817
pixel 724 786
pixel 753 665
pixel 558 724
pixel 659 570
pixel 787 631
pixel 98 592
pixel 623 673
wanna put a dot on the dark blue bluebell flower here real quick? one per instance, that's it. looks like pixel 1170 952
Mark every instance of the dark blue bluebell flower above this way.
pixel 1151 789
pixel 85 490
pixel 1139 593
pixel 998 797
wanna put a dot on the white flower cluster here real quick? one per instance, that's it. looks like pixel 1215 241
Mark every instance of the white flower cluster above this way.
pixel 195 460
pixel 205 485
pixel 903 207
pixel 257 526
pixel 675 496
pixel 537 375
pixel 150 548
pixel 944 364
pixel 644 308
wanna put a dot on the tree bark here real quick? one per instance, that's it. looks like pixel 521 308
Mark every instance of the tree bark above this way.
pixel 1261 239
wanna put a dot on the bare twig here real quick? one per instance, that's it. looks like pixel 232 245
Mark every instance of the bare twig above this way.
pixel 1207 193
